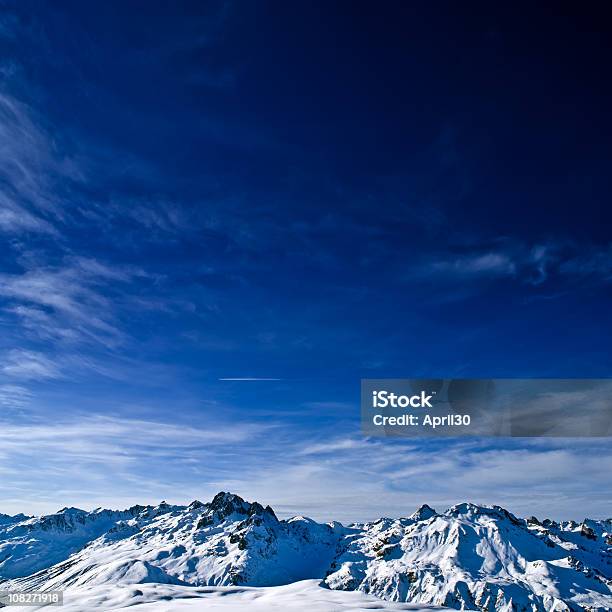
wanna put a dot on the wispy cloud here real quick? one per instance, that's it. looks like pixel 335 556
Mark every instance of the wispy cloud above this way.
pixel 131 438
pixel 346 478
pixel 67 303
pixel 529 265
pixel 332 446
pixel 29 169
pixel 93 457
pixel 360 479
pixel 29 365
pixel 590 262
pixel 330 406
pixel 487 264
pixel 14 396
pixel 62 305
pixel 15 219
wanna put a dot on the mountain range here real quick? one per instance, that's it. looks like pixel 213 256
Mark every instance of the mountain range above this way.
pixel 229 550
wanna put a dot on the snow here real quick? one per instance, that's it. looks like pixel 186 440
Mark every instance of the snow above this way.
pixel 230 551
pixel 299 596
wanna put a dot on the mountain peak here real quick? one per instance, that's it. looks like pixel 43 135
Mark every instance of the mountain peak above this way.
pixel 423 513
pixel 470 510
pixel 71 510
pixel 5 519
pixel 228 503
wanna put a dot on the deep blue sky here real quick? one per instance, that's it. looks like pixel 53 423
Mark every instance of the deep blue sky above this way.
pixel 306 192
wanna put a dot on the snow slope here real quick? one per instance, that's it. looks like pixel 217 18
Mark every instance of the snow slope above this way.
pixel 477 557
pixel 299 596
pixel 469 557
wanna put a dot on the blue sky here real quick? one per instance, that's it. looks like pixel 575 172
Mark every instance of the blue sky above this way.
pixel 306 194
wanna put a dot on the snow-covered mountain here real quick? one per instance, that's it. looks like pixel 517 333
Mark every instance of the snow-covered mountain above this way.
pixel 469 557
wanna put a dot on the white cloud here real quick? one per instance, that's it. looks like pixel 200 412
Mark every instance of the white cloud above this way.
pixel 332 446
pixel 29 365
pixel 591 262
pixel 487 264
pixel 69 302
pixel 14 396
pixel 29 166
pixel 14 219
pixel 357 479
pixel 532 265
pixel 46 464
pixel 93 460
